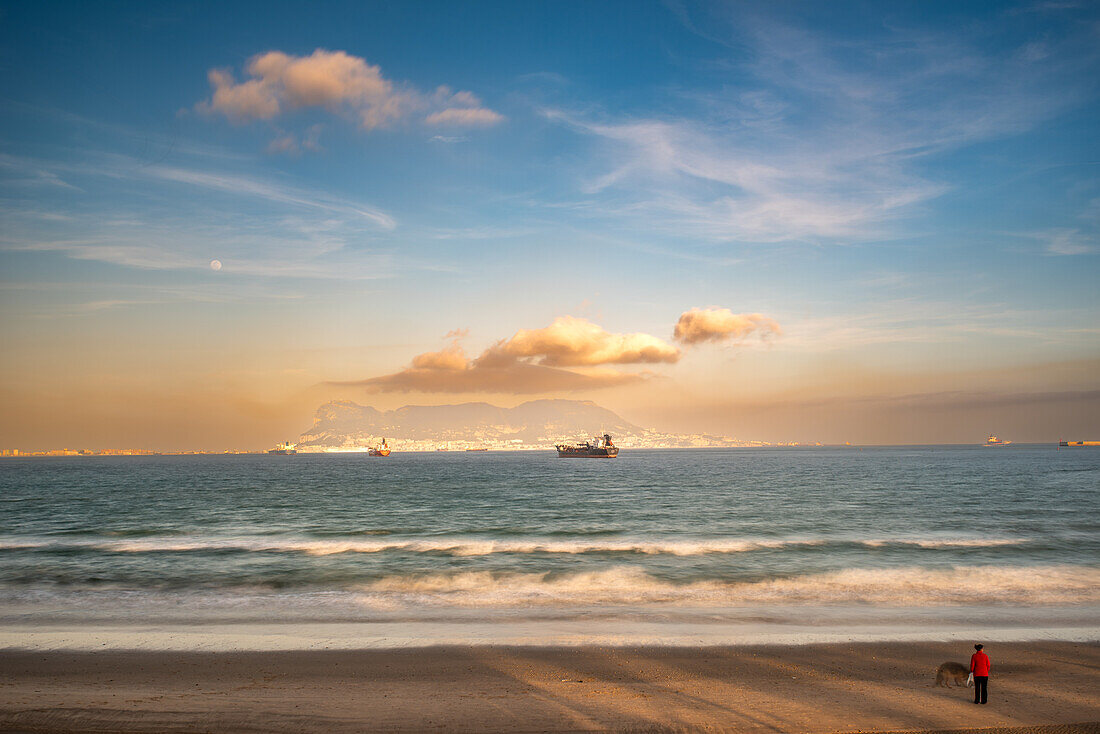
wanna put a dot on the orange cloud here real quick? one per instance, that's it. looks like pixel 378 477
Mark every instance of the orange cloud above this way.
pixel 720 324
pixel 336 81
pixel 532 361
pixel 251 99
pixel 449 358
pixel 570 341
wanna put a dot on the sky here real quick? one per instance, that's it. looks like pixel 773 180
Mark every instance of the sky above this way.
pixel 853 221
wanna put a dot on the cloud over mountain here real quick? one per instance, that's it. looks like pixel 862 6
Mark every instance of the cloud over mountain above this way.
pixel 340 83
pixel 532 361
pixel 720 324
pixel 489 374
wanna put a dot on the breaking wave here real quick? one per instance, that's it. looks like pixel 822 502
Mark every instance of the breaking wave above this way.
pixel 908 587
pixel 463 546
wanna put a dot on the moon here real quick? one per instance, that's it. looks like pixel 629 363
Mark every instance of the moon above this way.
pixel 215 264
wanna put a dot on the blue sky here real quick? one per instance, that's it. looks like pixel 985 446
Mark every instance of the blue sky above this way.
pixel 909 190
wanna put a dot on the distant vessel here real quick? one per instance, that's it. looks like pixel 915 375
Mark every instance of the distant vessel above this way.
pixel 284 449
pixel 1079 443
pixel 601 449
pixel 383 450
pixel 994 441
pixel 477 449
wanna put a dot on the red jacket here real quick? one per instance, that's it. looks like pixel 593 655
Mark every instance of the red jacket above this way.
pixel 979 664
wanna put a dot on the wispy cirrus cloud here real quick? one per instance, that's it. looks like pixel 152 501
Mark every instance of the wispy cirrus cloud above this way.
pixel 122 167
pixel 255 225
pixel 161 248
pixel 921 321
pixel 474 116
pixel 110 250
pixel 55 300
pixel 811 138
pixel 688 176
pixel 290 144
pixel 267 190
pixel 22 172
pixel 1065 241
pixel 448 139
pixel 303 247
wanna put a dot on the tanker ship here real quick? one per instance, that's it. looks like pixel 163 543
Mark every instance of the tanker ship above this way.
pixel 601 449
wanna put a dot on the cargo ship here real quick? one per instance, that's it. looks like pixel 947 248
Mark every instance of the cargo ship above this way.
pixel 383 450
pixel 601 449
pixel 994 441
pixel 1079 443
pixel 284 449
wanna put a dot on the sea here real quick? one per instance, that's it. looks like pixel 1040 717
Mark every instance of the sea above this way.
pixel 668 547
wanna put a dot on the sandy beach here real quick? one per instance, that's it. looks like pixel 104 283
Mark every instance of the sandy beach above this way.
pixel 1041 686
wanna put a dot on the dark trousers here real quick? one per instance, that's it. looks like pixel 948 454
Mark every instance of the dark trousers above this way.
pixel 981 690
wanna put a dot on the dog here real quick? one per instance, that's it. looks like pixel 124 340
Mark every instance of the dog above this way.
pixel 952 671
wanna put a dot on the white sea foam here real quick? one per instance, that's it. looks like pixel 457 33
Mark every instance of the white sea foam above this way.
pixel 943 542
pixel 1062 595
pixel 908 587
pixel 466 546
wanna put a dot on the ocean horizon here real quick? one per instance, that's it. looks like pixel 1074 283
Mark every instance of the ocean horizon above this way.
pixel 340 450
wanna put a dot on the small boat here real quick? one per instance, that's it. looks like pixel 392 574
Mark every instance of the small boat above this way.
pixel 994 441
pixel 599 449
pixel 284 449
pixel 383 450
pixel 477 449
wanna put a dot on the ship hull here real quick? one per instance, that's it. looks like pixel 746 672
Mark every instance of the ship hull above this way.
pixel 589 454
pixel 378 452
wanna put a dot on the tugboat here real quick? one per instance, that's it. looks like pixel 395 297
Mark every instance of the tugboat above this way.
pixel 994 441
pixel 284 449
pixel 383 450
pixel 601 449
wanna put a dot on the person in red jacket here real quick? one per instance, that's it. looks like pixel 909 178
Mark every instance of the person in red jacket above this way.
pixel 979 668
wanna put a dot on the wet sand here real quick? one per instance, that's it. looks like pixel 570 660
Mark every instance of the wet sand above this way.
pixel 1036 687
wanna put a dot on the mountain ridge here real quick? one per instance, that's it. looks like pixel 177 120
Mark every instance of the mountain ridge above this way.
pixel 346 424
